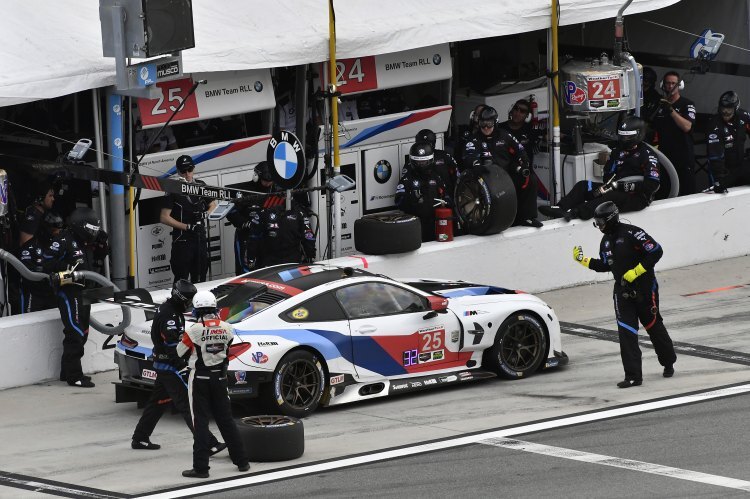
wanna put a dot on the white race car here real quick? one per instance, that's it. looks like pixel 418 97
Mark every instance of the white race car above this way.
pixel 310 335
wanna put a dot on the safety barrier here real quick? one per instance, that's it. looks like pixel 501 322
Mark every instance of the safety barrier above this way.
pixel 692 229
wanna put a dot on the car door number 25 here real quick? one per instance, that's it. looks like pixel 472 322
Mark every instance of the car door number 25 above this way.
pixel 431 341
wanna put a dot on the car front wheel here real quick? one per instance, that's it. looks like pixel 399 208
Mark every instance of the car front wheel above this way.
pixel 298 384
pixel 520 347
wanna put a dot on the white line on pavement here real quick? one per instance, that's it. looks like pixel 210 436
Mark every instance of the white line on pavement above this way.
pixel 629 464
pixel 314 468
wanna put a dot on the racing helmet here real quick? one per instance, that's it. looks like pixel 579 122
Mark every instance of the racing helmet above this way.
pixel 85 224
pixel 421 155
pixel 185 164
pixel 729 103
pixel 426 135
pixel 183 292
pixel 204 303
pixel 631 131
pixel 607 217
pixel 52 220
pixel 263 171
pixel 487 117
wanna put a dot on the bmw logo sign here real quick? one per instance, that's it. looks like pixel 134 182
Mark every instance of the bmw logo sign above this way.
pixel 383 171
pixel 144 73
pixel 258 86
pixel 287 156
pixel 436 59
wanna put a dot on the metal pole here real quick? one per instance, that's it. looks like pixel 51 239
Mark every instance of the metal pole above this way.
pixel 555 105
pixel 100 165
pixel 116 198
pixel 335 125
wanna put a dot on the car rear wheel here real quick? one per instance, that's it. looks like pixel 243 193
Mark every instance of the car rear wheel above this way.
pixel 298 384
pixel 520 347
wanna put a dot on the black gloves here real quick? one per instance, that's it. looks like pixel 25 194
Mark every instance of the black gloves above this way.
pixel 626 186
pixel 197 228
pixel 666 106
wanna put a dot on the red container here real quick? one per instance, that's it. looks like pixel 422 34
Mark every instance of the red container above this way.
pixel 443 224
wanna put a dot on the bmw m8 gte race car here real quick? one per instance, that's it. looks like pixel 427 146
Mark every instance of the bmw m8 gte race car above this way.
pixel 312 335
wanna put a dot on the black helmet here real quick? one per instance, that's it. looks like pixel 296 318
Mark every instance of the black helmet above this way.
pixel 426 135
pixel 649 77
pixel 607 217
pixel 52 220
pixel 631 131
pixel 263 171
pixel 185 164
pixel 729 100
pixel 85 224
pixel 421 155
pixel 487 116
pixel 183 292
pixel 474 116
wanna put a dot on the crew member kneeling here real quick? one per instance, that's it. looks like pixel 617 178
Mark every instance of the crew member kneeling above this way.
pixel 631 178
pixel 208 342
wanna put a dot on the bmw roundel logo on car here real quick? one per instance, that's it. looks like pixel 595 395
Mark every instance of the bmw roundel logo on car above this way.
pixel 383 171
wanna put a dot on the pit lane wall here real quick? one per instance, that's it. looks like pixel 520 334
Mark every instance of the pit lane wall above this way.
pixel 693 229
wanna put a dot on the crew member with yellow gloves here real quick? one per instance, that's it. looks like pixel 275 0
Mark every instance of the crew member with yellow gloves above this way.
pixel 630 254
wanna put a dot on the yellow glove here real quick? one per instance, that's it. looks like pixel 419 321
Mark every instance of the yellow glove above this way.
pixel 631 274
pixel 578 256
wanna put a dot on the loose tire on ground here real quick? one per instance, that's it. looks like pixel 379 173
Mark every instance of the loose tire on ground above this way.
pixel 486 203
pixel 520 347
pixel 387 233
pixel 298 384
pixel 272 438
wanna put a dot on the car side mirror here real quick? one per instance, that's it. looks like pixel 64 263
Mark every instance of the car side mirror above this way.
pixel 438 304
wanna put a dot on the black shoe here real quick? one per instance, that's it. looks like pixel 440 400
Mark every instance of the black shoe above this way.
pixel 627 383
pixel 719 189
pixel 83 383
pixel 144 445
pixel 668 371
pixel 191 473
pixel 220 446
pixel 244 467
pixel 551 211
pixel 570 214
pixel 530 222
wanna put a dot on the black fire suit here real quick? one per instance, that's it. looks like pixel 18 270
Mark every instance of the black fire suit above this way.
pixel 189 259
pixel 503 148
pixel 167 329
pixel 35 295
pixel 619 252
pixel 287 236
pixel 416 194
pixel 62 253
pixel 726 150
pixel 208 343
pixel 676 144
pixel 447 168
pixel 586 195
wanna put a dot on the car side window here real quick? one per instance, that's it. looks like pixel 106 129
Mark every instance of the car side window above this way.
pixel 321 308
pixel 377 298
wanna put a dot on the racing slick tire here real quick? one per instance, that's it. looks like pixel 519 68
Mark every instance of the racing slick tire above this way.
pixel 486 202
pixel 520 347
pixel 297 385
pixel 270 438
pixel 387 233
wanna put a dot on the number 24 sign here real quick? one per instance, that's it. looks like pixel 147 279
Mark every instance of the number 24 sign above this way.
pixel 604 89
pixel 173 93
pixel 356 75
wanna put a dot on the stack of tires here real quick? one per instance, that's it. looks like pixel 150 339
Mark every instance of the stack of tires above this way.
pixel 387 233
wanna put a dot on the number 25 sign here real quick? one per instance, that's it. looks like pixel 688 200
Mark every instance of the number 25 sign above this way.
pixel 173 93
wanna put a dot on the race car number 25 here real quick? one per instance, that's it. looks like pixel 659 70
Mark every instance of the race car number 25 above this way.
pixel 431 341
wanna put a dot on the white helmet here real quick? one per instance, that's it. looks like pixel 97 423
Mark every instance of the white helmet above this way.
pixel 204 300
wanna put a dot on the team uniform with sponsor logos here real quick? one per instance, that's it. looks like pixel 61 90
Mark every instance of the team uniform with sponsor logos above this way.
pixel 619 252
pixel 676 144
pixel 504 149
pixel 585 195
pixel 287 236
pixel 189 259
pixel 208 343
pixel 167 329
pixel 61 253
pixel 35 295
pixel 726 150
pixel 416 194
